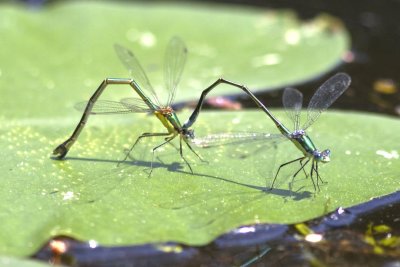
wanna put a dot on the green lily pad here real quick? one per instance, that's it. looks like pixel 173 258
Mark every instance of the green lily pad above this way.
pixel 15 262
pixel 56 57
pixel 60 54
pixel 89 196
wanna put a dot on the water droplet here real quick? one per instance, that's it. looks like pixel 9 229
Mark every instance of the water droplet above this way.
pixel 147 39
pixel 92 243
pixel 246 229
pixel 313 238
pixel 340 210
pixel 388 155
pixel 292 36
pixel 68 195
pixel 266 60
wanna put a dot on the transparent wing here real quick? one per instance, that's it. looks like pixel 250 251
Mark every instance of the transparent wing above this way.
pixel 175 59
pixel 105 107
pixel 135 103
pixel 136 71
pixel 293 101
pixel 326 94
pixel 219 139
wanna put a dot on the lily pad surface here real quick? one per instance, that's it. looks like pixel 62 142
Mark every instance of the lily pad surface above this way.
pixel 58 55
pixel 89 196
pixel 16 262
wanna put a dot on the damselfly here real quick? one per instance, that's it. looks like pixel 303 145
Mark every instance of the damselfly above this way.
pixel 326 94
pixel 175 59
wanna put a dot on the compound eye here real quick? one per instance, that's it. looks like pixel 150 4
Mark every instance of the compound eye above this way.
pixel 325 155
pixel 190 133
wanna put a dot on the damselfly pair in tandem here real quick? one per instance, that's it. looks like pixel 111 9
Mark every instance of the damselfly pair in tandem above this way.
pixel 148 102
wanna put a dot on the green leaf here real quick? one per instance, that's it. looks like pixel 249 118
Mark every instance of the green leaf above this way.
pixel 57 56
pixel 89 197
pixel 15 262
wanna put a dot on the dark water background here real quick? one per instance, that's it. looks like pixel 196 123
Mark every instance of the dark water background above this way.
pixel 374 27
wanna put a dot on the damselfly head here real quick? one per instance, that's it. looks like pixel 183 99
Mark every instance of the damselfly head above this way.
pixel 325 156
pixel 188 133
